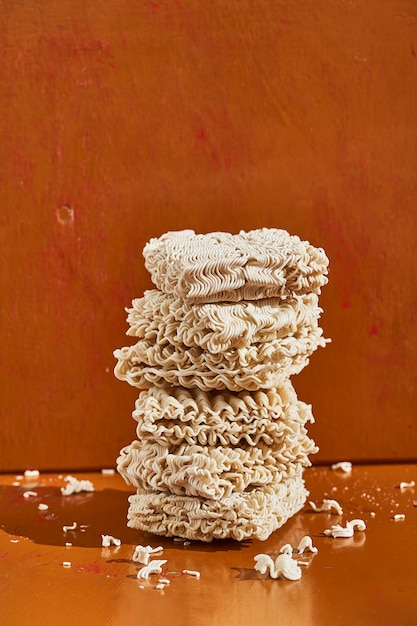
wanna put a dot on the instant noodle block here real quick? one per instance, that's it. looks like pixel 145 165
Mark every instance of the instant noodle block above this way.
pixel 217 267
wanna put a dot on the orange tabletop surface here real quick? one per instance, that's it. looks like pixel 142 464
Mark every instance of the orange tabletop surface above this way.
pixel 368 579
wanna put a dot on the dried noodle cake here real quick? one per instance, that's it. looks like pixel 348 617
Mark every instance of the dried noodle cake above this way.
pixel 220 326
pixel 218 266
pixel 212 471
pixel 253 514
pixel 175 415
pixel 258 366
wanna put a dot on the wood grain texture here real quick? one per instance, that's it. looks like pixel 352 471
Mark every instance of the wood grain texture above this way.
pixel 120 120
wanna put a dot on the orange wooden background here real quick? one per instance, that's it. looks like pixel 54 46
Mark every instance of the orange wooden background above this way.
pixel 122 119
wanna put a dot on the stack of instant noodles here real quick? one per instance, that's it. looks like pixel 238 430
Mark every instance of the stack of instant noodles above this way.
pixel 221 436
